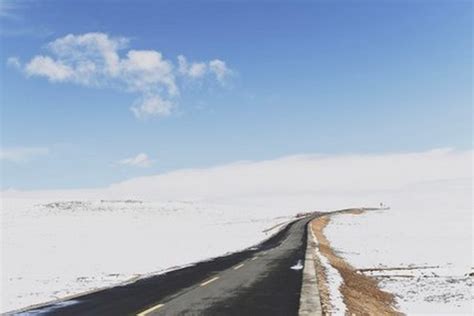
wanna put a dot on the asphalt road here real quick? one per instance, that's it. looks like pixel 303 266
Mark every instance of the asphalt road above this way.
pixel 256 281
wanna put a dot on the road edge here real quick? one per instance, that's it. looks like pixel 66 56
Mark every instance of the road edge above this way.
pixel 310 302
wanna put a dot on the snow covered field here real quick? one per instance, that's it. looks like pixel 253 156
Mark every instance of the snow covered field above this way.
pixel 57 243
pixel 55 249
pixel 429 231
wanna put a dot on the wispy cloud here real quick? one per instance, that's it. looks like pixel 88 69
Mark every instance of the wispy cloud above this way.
pixel 13 62
pixel 14 21
pixel 218 68
pixel 95 59
pixel 22 154
pixel 141 160
pixel 8 9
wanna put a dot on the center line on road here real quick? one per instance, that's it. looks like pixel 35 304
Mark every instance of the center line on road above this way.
pixel 254 258
pixel 239 266
pixel 152 309
pixel 209 281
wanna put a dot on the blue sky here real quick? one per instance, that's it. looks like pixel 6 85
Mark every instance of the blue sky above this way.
pixel 326 77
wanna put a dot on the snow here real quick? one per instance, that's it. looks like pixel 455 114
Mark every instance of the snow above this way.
pixel 334 282
pixel 60 249
pixel 60 243
pixel 297 266
pixel 429 225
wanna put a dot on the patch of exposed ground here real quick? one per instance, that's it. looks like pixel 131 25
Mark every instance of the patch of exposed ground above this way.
pixel 361 293
pixel 317 228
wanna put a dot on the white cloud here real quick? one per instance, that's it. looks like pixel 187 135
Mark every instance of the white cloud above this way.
pixel 197 70
pixel 182 65
pixel 193 70
pixel 219 69
pixel 22 154
pixel 152 105
pixel 47 67
pixel 145 70
pixel 94 47
pixel 90 59
pixel 94 59
pixel 140 160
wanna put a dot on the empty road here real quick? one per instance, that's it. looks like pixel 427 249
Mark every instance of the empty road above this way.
pixel 256 281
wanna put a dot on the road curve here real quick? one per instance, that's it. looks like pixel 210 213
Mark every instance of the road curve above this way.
pixel 256 281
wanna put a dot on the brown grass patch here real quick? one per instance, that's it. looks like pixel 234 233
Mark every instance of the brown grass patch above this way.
pixel 361 293
pixel 317 226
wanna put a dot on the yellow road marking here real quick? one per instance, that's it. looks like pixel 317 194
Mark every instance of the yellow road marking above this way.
pixel 209 281
pixel 239 266
pixel 152 309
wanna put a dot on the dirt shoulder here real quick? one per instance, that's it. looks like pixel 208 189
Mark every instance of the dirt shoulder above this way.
pixel 361 293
